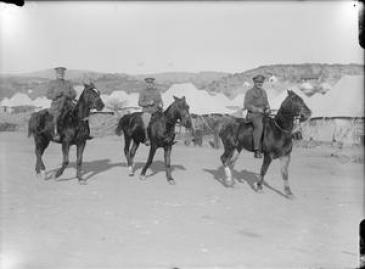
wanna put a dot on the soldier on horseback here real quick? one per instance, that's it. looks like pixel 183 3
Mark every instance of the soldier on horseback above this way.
pixel 150 100
pixel 257 104
pixel 61 92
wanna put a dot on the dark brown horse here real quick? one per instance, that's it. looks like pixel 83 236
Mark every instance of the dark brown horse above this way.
pixel 276 141
pixel 73 127
pixel 161 131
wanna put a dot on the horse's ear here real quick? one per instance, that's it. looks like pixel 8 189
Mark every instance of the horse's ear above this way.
pixel 176 98
pixel 290 92
pixel 183 98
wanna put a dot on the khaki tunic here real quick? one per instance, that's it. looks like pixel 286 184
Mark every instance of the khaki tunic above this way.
pixel 59 88
pixel 148 95
pixel 256 98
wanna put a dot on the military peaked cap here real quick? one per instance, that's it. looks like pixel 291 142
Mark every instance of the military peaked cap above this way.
pixel 258 78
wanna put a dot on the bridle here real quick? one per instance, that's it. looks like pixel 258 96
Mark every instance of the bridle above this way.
pixel 296 125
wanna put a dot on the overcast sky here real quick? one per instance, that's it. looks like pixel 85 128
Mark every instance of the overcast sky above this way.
pixel 141 37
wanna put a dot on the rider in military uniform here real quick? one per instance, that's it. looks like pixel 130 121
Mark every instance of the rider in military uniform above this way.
pixel 257 104
pixel 60 91
pixel 150 100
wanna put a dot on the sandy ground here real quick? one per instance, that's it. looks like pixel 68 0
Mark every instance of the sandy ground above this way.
pixel 117 221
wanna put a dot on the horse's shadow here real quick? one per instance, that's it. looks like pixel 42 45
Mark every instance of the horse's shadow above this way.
pixel 94 168
pixel 243 176
pixel 156 167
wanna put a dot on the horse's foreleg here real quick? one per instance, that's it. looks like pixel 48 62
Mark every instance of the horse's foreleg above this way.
pixel 285 160
pixel 132 153
pixel 40 146
pixel 153 149
pixel 264 167
pixel 167 157
pixel 127 143
pixel 65 151
pixel 226 161
pixel 234 158
pixel 79 155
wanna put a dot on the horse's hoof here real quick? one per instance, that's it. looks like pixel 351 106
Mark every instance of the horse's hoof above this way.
pixel 171 181
pixel 229 183
pixel 82 182
pixel 259 189
pixel 142 177
pixel 57 174
pixel 288 192
pixel 130 170
pixel 43 174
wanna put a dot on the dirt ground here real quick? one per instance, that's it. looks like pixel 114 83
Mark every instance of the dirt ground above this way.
pixel 117 221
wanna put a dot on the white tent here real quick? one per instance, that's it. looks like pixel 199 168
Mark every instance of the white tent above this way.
pixel 19 99
pixel 79 89
pixel 346 99
pixel 238 100
pixel 276 102
pixel 5 102
pixel 41 102
pixel 200 101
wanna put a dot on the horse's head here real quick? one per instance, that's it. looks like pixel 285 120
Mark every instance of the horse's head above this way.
pixel 91 96
pixel 180 110
pixel 295 105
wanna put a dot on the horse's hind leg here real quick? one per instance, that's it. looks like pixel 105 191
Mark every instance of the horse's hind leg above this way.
pixel 264 167
pixel 65 151
pixel 167 157
pixel 41 143
pixel 79 155
pixel 149 162
pixel 285 160
pixel 127 143
pixel 132 153
pixel 226 161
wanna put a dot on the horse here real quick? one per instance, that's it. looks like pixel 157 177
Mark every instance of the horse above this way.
pixel 73 129
pixel 161 131
pixel 276 140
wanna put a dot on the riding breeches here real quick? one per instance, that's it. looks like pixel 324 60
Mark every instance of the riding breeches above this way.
pixel 258 127
pixel 56 108
pixel 146 118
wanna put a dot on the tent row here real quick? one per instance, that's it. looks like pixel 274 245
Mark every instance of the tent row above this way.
pixel 345 99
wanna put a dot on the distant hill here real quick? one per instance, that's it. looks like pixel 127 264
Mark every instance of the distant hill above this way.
pixel 71 74
pixel 200 79
pixel 286 75
pixel 35 83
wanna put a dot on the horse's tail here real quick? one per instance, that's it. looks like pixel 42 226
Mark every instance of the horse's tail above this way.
pixel 32 124
pixel 122 124
pixel 36 122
